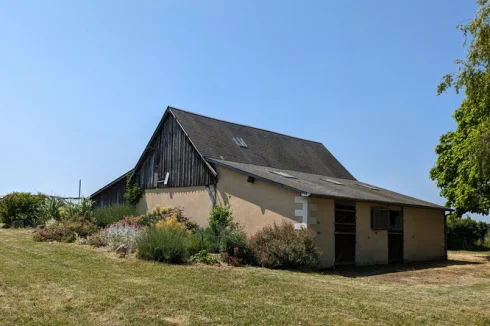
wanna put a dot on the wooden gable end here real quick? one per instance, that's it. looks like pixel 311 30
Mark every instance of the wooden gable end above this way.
pixel 171 152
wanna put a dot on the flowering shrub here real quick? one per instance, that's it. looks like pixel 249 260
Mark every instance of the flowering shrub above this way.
pixel 170 223
pixel 122 234
pixel 98 239
pixel 66 230
pixel 159 214
pixel 285 248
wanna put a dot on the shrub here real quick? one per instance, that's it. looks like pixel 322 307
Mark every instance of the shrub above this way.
pixel 110 214
pixel 170 223
pixel 82 208
pixel 66 230
pixel 200 240
pixel 50 209
pixel 98 239
pixel 126 235
pixel 466 233
pixel 220 219
pixel 20 206
pixel 284 248
pixel 235 244
pixel 161 214
pixel 204 258
pixel 163 245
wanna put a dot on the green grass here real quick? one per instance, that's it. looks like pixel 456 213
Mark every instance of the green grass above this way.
pixel 60 284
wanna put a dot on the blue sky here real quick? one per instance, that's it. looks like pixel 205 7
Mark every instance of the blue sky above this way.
pixel 83 84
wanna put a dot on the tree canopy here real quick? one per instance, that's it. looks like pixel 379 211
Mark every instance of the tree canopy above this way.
pixel 462 169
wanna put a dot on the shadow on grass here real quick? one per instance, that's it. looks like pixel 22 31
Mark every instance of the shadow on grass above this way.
pixel 363 271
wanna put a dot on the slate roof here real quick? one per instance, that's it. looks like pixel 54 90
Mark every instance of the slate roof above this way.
pixel 317 185
pixel 214 139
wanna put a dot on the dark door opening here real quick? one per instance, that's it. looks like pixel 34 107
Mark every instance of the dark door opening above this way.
pixel 345 234
pixel 395 237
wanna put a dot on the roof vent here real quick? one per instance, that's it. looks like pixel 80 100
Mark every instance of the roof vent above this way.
pixel 282 174
pixel 332 181
pixel 240 142
pixel 367 186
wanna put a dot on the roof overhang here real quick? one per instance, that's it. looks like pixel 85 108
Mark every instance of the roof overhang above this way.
pixel 307 192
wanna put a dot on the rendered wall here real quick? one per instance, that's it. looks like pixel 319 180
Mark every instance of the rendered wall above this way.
pixel 423 234
pixel 194 200
pixel 255 205
pixel 323 210
pixel 371 245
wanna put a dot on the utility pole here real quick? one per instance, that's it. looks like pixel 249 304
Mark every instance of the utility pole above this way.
pixel 79 188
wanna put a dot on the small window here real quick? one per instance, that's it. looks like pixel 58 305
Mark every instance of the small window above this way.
pixel 367 186
pixel 282 174
pixel 240 142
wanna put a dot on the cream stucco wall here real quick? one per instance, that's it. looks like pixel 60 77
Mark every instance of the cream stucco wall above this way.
pixel 195 201
pixel 255 205
pixel 323 210
pixel 423 234
pixel 371 245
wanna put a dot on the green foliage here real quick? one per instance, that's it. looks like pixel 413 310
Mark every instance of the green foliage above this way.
pixel 220 220
pixel 20 206
pixel 83 208
pixel 67 230
pixel 133 192
pixel 203 257
pixel 284 248
pixel 51 208
pixel 114 213
pixel 200 240
pixel 234 243
pixel 163 245
pixel 462 169
pixel 160 214
pixel 466 234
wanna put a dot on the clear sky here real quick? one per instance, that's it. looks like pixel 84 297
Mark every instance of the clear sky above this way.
pixel 83 84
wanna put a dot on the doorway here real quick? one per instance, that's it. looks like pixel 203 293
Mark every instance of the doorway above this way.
pixel 345 233
pixel 395 237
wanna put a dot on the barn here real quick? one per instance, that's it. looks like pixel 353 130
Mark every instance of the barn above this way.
pixel 194 161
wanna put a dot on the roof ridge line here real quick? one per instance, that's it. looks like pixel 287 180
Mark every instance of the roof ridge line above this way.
pixel 243 125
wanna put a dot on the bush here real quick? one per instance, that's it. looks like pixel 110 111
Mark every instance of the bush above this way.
pixel 20 206
pixel 235 244
pixel 163 245
pixel 82 208
pixel 126 235
pixel 284 248
pixel 66 230
pixel 50 209
pixel 161 214
pixel 466 233
pixel 203 257
pixel 110 214
pixel 98 239
pixel 200 240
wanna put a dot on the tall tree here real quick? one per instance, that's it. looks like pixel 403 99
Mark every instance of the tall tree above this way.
pixel 462 169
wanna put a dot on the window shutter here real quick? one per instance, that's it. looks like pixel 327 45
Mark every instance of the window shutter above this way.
pixel 380 219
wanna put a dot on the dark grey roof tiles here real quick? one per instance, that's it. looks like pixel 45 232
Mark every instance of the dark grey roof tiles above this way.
pixel 318 185
pixel 214 139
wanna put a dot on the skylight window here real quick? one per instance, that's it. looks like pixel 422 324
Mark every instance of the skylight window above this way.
pixel 367 186
pixel 282 174
pixel 240 142
pixel 332 181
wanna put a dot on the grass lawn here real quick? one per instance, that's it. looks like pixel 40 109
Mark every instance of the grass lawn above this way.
pixel 60 284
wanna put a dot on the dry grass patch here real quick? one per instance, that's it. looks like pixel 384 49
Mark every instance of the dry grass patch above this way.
pixel 68 284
